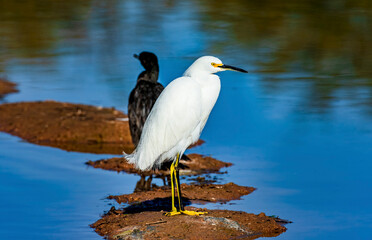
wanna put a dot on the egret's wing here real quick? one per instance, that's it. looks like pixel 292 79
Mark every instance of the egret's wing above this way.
pixel 171 124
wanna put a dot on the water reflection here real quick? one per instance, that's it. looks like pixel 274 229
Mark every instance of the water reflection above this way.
pixel 323 44
pixel 143 184
pixel 312 57
pixel 328 38
pixel 29 29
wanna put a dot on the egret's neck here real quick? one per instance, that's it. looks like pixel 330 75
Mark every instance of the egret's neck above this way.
pixel 198 75
pixel 210 86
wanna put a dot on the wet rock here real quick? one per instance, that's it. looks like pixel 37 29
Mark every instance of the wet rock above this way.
pixel 72 127
pixel 190 165
pixel 68 126
pixel 7 87
pixel 195 193
pixel 217 224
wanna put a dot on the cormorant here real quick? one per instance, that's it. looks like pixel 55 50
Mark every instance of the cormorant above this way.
pixel 144 95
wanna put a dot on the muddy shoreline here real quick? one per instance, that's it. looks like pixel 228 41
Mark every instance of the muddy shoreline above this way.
pixel 7 87
pixel 71 127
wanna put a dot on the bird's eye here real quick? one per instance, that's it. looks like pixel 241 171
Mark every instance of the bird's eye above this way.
pixel 216 64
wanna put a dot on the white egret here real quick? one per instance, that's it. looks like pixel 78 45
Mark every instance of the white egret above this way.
pixel 144 95
pixel 177 120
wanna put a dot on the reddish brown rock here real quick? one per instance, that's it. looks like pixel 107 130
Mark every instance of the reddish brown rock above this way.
pixel 192 164
pixel 217 224
pixel 73 127
pixel 198 193
pixel 7 87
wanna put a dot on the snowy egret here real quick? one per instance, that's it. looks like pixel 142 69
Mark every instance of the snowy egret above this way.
pixel 177 120
pixel 144 95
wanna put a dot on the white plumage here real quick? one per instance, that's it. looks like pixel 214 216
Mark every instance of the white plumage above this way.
pixel 179 114
pixel 177 120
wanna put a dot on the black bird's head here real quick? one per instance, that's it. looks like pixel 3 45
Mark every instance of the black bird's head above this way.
pixel 148 60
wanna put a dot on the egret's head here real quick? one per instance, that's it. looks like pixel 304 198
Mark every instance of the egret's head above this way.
pixel 209 64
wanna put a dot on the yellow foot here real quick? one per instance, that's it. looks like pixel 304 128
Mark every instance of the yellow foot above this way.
pixel 186 212
pixel 172 213
pixel 192 213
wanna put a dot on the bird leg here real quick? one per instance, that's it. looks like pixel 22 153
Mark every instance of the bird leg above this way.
pixel 176 177
pixel 174 209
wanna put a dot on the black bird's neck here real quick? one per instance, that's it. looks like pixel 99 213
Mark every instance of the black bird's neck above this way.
pixel 149 75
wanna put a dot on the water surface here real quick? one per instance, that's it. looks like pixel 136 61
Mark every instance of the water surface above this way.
pixel 298 127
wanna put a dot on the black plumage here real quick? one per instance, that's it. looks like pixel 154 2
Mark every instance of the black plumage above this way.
pixel 144 95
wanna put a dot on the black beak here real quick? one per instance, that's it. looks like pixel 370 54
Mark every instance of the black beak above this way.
pixel 135 56
pixel 228 67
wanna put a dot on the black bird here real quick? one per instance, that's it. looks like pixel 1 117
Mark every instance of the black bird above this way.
pixel 144 95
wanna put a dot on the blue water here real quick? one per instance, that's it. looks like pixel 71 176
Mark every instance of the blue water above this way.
pixel 298 127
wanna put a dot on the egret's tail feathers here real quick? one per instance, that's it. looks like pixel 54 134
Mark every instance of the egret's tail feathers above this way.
pixel 130 157
pixel 135 159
